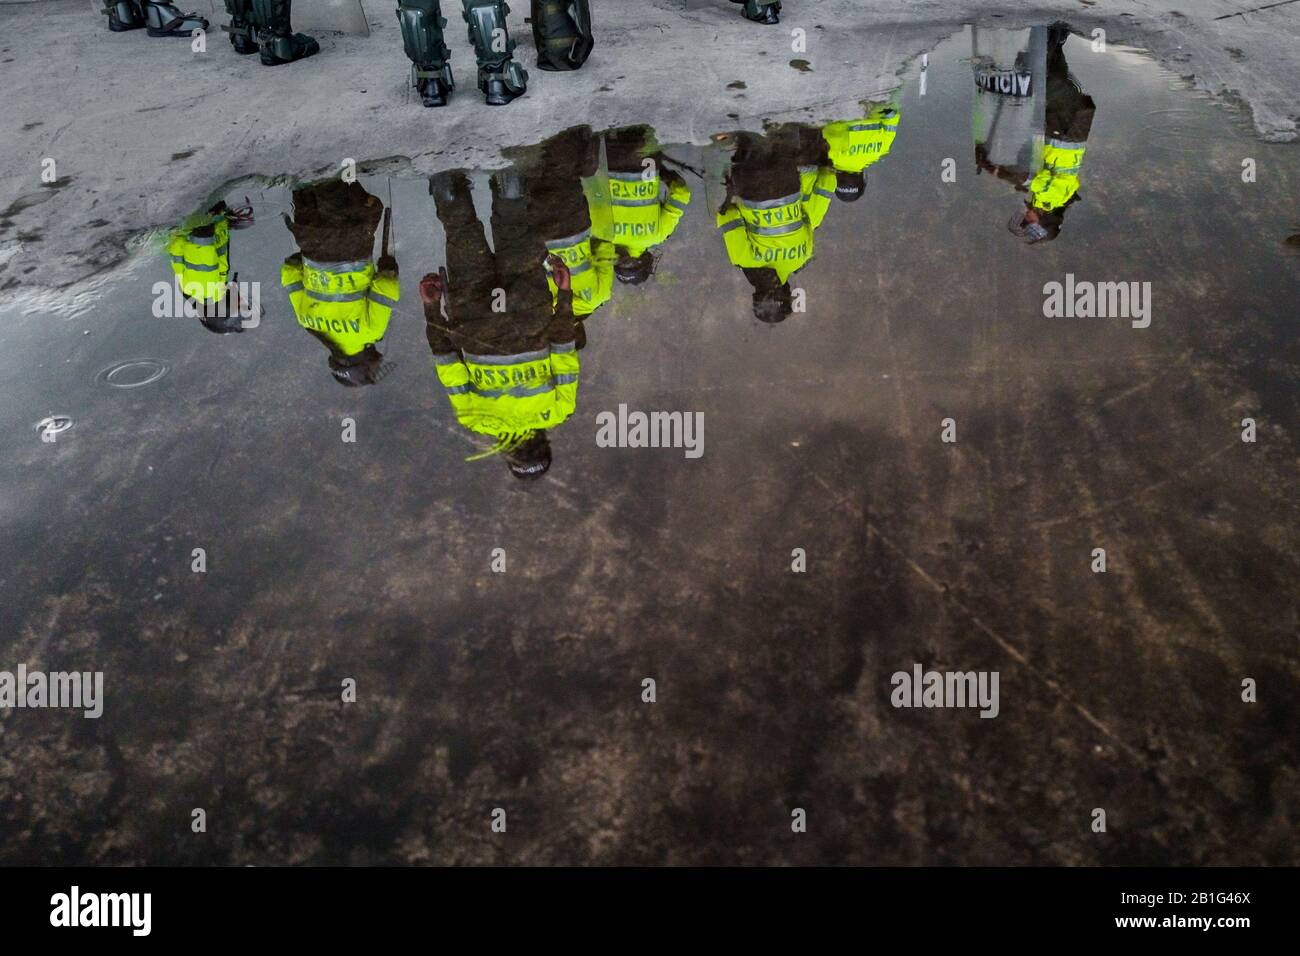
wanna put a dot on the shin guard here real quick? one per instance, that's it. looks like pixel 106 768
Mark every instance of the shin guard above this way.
pixel 562 32
pixel 422 24
pixel 499 76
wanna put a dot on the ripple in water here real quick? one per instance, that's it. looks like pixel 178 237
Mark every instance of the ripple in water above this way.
pixel 134 373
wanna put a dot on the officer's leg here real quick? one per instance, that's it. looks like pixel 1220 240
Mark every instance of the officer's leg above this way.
pixel 471 267
pixel 761 11
pixel 123 15
pixel 520 251
pixel 243 37
pixel 165 20
pixel 804 145
pixel 762 170
pixel 499 77
pixel 562 32
pixel 572 153
pixel 276 40
pixel 626 148
pixel 422 23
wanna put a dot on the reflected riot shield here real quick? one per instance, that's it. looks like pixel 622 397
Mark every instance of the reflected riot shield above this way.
pixel 1010 84
pixel 717 165
pixel 599 201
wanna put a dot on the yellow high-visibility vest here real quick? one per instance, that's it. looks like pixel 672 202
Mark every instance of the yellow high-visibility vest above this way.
pixel 642 212
pixel 853 145
pixel 202 263
pixel 591 270
pixel 347 303
pixel 778 233
pixel 1056 183
pixel 510 396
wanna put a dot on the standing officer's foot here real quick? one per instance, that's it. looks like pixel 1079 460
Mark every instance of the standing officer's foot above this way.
pixel 766 14
pixel 434 91
pixel 502 82
pixel 277 49
pixel 123 15
pixel 276 41
pixel 242 36
pixel 496 91
pixel 165 20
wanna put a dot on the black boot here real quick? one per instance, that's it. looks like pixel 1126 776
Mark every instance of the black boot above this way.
pixel 243 37
pixel 433 89
pixel 763 12
pixel 123 15
pixel 495 90
pixel 276 40
pixel 165 20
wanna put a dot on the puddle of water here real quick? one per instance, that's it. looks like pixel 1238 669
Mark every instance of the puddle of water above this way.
pixel 350 452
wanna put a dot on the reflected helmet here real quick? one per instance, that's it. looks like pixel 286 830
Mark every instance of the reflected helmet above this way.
pixel 365 368
pixel 849 187
pixel 530 458
pixel 633 270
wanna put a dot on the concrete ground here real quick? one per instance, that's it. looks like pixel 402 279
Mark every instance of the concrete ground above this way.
pixel 142 130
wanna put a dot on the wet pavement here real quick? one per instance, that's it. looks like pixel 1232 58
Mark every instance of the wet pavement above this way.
pixel 373 560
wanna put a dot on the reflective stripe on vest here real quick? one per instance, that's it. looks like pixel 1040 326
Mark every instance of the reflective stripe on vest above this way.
pixel 202 263
pixel 1056 183
pixel 340 301
pixel 511 394
pixel 853 145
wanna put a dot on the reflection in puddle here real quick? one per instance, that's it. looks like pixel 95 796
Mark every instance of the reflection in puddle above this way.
pixel 1031 124
pixel 338 292
pixel 535 251
pixel 822 299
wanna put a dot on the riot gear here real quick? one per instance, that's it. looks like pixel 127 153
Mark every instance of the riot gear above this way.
pixel 562 32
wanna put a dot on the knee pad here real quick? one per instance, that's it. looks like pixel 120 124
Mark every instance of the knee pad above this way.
pixel 562 32
pixel 422 24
